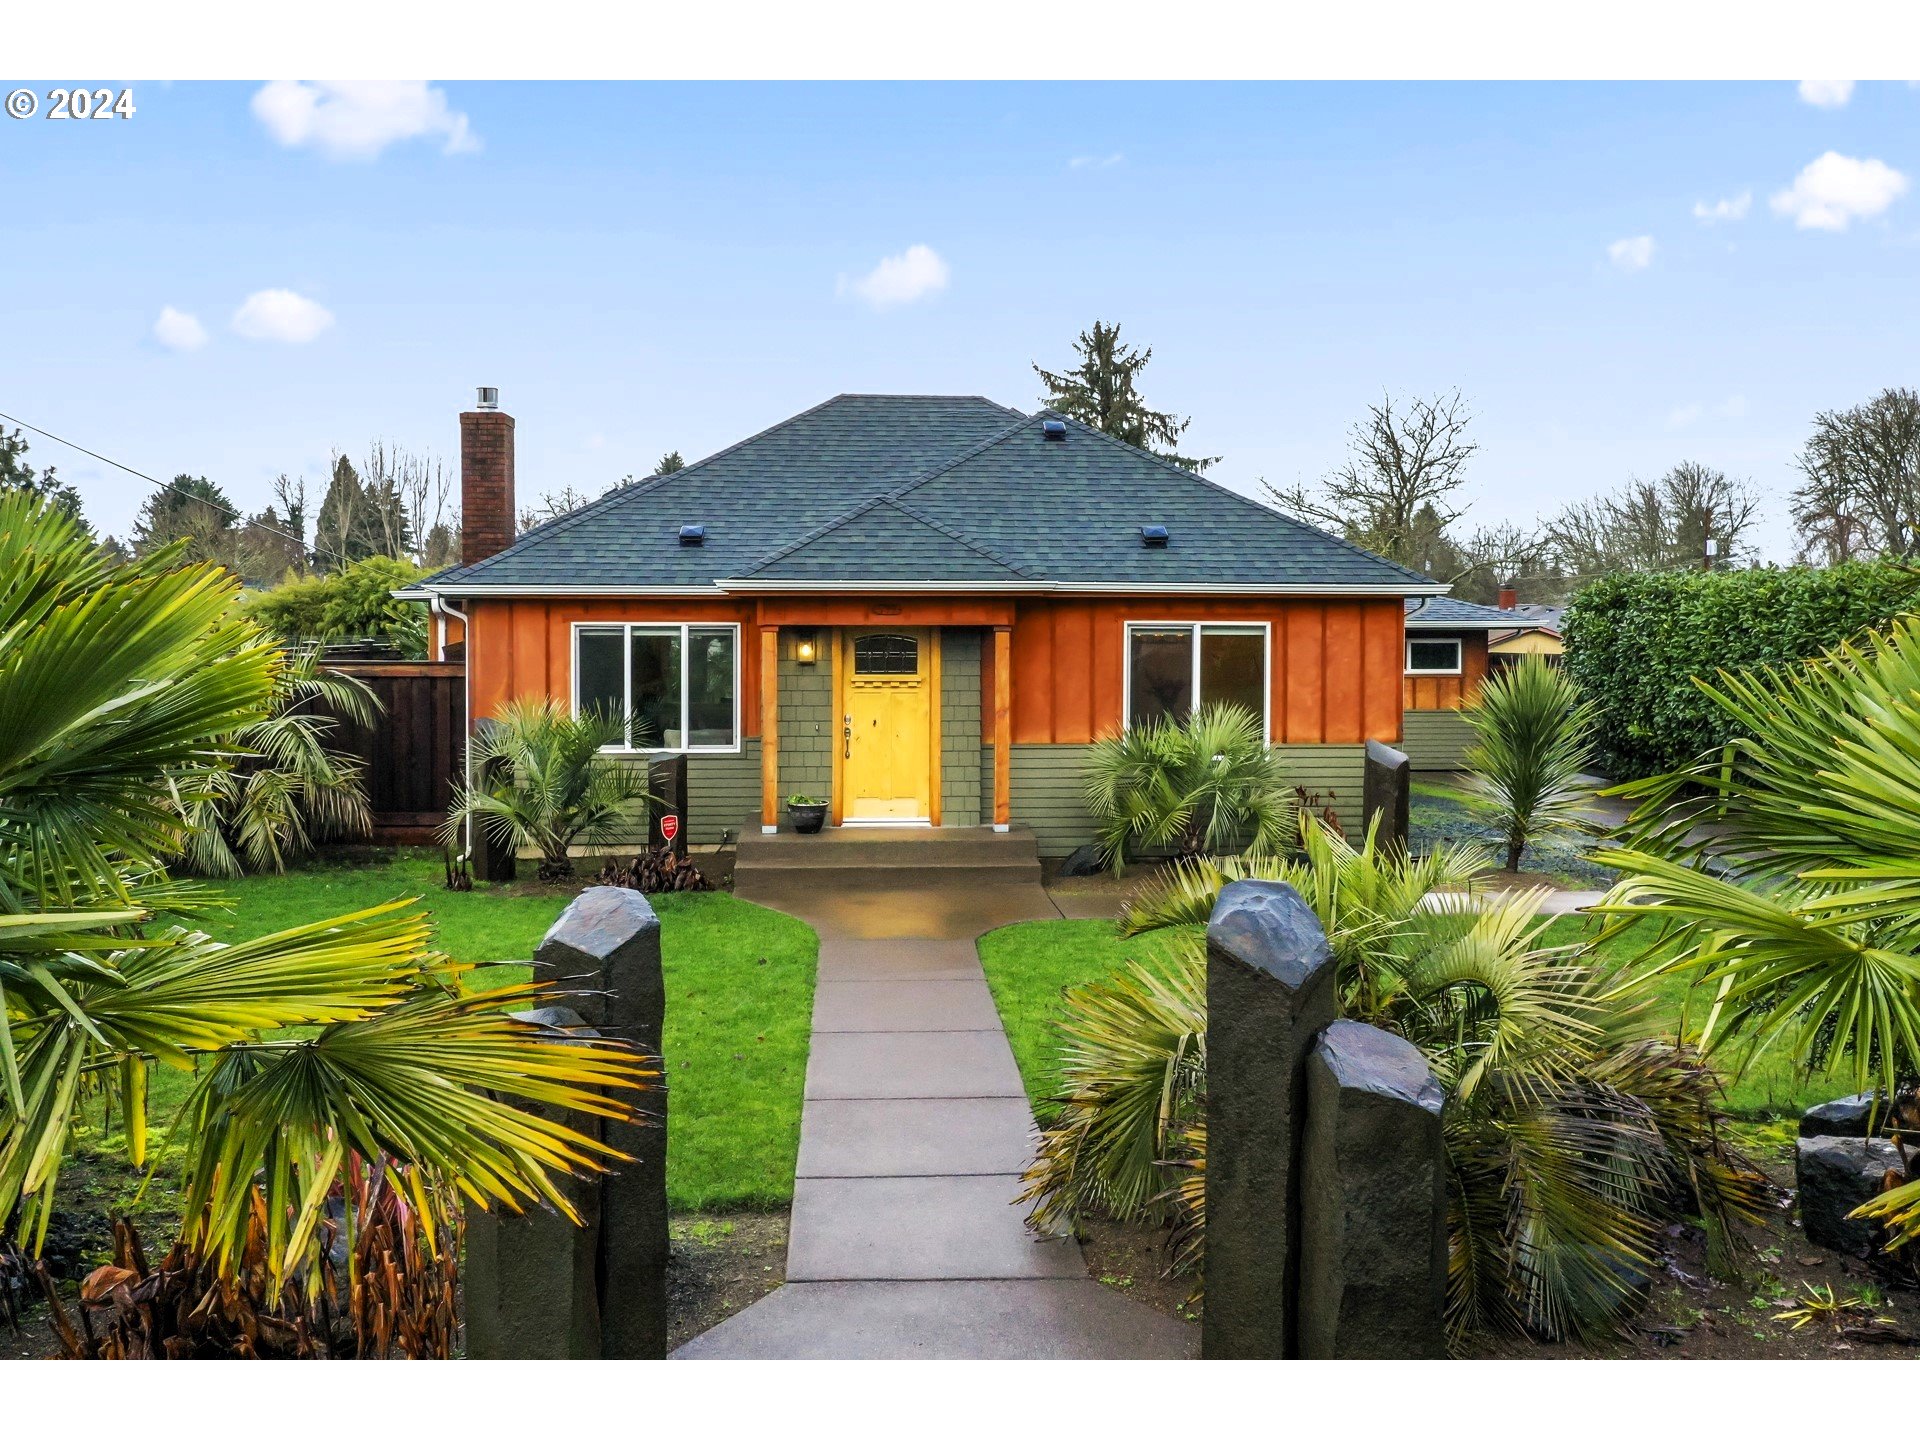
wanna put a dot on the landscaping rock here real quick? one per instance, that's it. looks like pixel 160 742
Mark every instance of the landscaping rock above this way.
pixel 1845 1116
pixel 1837 1174
pixel 1084 861
pixel 1270 993
pixel 1387 791
pixel 1373 1208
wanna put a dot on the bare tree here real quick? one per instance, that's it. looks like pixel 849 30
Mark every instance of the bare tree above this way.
pixel 1656 524
pixel 1493 556
pixel 1395 495
pixel 555 503
pixel 1862 491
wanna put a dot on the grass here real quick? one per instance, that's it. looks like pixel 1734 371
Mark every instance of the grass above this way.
pixel 739 984
pixel 1030 966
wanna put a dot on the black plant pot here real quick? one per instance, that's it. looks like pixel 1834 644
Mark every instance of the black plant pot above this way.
pixel 807 819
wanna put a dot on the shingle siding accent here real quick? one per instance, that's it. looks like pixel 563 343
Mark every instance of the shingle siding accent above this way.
pixel 1047 784
pixel 960 773
pixel 806 721
pixel 1435 739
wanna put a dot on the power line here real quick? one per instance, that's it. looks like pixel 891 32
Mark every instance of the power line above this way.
pixel 174 486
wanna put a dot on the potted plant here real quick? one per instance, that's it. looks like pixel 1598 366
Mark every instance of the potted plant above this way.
pixel 807 814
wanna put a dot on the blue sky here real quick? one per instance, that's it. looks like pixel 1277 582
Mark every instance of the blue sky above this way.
pixel 642 267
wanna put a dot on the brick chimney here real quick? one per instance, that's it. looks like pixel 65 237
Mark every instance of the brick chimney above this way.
pixel 1509 597
pixel 486 478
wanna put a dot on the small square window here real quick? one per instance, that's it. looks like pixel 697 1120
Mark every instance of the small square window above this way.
pixel 1433 657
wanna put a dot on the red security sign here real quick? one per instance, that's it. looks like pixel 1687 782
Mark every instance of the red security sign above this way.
pixel 669 826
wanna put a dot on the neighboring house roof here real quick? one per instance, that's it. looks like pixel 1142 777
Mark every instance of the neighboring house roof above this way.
pixel 929 492
pixel 1443 612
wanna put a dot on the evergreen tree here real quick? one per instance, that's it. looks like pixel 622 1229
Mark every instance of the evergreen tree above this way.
pixel 669 463
pixel 1103 391
pixel 16 474
pixel 342 531
pixel 194 509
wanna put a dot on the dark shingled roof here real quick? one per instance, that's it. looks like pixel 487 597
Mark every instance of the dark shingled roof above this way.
pixel 929 490
pixel 1443 612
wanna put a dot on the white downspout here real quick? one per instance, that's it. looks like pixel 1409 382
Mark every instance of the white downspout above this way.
pixel 441 608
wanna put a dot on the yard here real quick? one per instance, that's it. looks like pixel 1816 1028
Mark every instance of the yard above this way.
pixel 739 1001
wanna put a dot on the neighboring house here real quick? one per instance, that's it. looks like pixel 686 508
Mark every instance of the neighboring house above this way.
pixel 1539 633
pixel 923 609
pixel 1447 658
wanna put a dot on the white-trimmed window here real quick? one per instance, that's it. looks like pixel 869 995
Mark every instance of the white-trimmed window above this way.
pixel 1174 667
pixel 678 686
pixel 1433 655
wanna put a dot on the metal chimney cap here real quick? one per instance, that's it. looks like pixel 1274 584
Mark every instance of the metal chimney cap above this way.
pixel 489 398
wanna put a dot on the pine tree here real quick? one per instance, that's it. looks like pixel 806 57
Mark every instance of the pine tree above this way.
pixel 342 530
pixel 1102 391
pixel 193 509
pixel 16 474
pixel 669 463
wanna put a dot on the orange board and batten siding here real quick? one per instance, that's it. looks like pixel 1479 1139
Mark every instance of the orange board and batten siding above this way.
pixel 1450 692
pixel 1336 665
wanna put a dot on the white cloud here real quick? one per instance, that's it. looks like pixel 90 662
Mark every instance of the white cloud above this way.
pixel 1095 162
pixel 177 330
pixel 1682 416
pixel 1734 207
pixel 1827 94
pixel 899 279
pixel 280 315
pixel 1836 190
pixel 357 119
pixel 1633 253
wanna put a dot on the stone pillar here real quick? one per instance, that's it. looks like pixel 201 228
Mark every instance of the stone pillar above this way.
pixel 607 942
pixel 1373 1205
pixel 491 857
pixel 1387 792
pixel 532 1279
pixel 1270 992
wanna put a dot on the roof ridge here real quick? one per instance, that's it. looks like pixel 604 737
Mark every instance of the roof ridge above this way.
pixel 958 538
pixel 652 482
pixel 825 527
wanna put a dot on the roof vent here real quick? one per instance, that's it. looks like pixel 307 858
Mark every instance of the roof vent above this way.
pixel 488 399
pixel 1154 536
pixel 693 534
pixel 1054 429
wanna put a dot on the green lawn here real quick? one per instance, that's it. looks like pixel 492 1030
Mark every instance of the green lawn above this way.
pixel 1029 966
pixel 739 1004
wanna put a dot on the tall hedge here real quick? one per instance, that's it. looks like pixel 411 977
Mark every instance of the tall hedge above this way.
pixel 1636 642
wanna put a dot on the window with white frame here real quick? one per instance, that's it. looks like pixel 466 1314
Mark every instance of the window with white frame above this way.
pixel 1433 655
pixel 1174 668
pixel 677 687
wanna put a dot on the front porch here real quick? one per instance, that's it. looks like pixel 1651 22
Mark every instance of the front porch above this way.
pixel 897 715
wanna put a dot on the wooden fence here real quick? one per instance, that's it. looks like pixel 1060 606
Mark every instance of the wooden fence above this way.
pixel 412 751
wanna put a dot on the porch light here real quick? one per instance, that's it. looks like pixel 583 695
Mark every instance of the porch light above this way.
pixel 806 650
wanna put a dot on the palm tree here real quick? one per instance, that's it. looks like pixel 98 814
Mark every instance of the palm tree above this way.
pixel 1208 783
pixel 1783 872
pixel 546 781
pixel 1569 1128
pixel 349 1041
pixel 1534 740
pixel 290 788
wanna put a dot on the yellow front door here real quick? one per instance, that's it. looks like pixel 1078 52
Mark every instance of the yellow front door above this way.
pixel 886 724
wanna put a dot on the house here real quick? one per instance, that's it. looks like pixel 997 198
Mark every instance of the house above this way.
pixel 923 609
pixel 1537 633
pixel 1450 650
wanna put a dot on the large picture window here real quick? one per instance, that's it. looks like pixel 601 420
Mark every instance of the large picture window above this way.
pixel 677 686
pixel 1174 668
pixel 1433 656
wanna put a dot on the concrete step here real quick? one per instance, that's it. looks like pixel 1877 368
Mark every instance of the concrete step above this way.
pixel 862 848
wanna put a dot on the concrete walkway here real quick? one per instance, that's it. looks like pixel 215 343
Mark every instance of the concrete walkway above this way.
pixel 905 1239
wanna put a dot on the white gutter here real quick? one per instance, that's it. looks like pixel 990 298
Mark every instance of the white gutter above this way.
pixel 442 607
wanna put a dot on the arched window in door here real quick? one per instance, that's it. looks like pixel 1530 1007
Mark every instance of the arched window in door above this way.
pixel 886 655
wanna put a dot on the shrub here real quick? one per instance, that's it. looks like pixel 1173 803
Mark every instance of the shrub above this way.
pixel 1636 643
pixel 1203 785
pixel 355 603
pixel 1531 744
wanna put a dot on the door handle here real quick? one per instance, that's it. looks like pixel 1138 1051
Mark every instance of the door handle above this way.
pixel 846 735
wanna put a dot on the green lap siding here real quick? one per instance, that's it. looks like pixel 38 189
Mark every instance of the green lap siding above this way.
pixel 1048 780
pixel 960 753
pixel 1435 739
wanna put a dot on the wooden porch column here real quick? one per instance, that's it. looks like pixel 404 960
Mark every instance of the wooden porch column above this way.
pixel 1002 726
pixel 769 729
